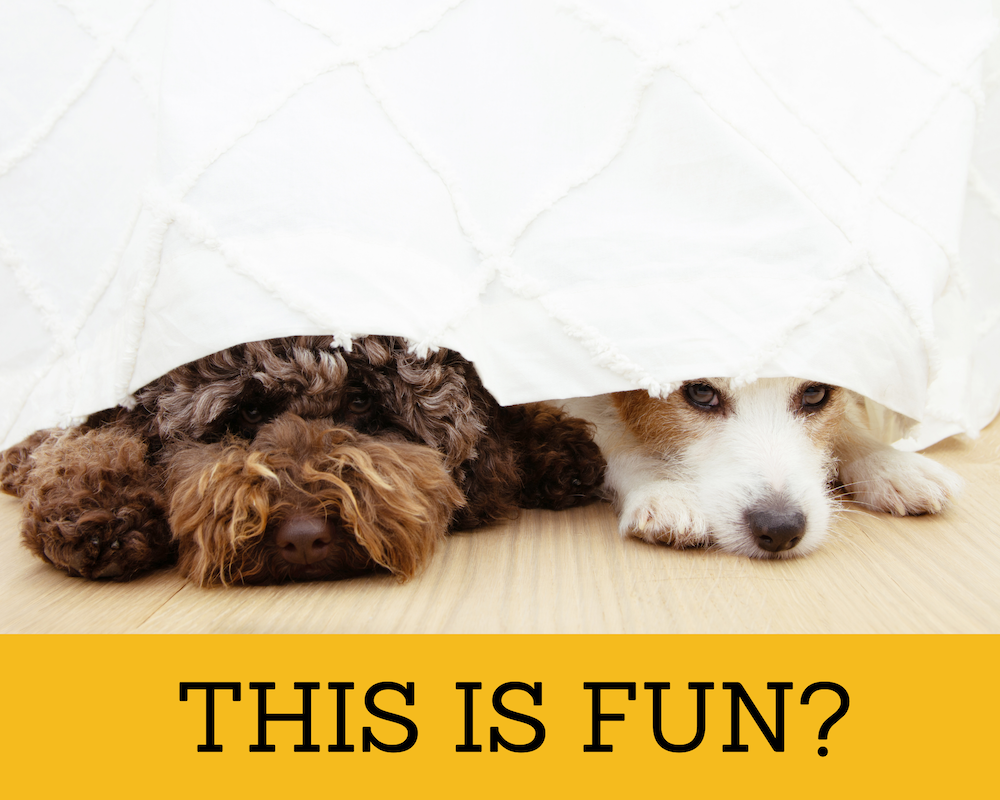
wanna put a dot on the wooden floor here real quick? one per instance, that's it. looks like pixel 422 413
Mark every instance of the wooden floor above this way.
pixel 570 572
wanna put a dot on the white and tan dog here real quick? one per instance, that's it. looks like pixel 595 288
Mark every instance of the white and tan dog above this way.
pixel 755 469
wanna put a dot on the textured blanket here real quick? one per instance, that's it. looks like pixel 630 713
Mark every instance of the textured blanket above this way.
pixel 579 196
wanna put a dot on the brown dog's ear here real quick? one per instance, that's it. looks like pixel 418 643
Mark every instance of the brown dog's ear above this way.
pixel 190 400
pixel 401 502
pixel 438 398
pixel 217 508
pixel 16 462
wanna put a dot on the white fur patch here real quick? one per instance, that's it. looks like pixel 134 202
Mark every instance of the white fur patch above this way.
pixel 684 476
pixel 900 483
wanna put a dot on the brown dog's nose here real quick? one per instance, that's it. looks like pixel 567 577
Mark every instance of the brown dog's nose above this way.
pixel 304 539
pixel 776 529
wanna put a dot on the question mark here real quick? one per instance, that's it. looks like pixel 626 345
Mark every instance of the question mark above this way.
pixel 845 703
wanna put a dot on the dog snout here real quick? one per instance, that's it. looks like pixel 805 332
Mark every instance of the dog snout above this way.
pixel 776 528
pixel 305 539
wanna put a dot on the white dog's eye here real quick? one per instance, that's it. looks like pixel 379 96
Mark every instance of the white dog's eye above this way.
pixel 702 395
pixel 814 396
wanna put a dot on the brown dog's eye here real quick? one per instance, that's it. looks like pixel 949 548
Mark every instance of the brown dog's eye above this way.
pixel 702 396
pixel 251 415
pixel 359 404
pixel 815 396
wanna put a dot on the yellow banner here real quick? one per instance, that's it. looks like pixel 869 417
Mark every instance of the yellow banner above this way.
pixel 496 716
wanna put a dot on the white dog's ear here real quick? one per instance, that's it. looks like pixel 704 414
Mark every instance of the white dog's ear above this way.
pixel 884 424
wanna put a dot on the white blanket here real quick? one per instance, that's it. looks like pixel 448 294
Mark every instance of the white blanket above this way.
pixel 580 196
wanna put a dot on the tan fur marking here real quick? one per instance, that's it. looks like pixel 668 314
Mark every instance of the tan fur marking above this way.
pixel 664 425
pixel 823 426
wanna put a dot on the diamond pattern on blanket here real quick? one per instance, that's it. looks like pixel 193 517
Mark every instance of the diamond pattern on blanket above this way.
pixel 54 62
pixel 872 99
pixel 582 196
pixel 472 118
pixel 101 167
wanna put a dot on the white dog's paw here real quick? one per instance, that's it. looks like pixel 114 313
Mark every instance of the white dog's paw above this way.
pixel 663 512
pixel 900 483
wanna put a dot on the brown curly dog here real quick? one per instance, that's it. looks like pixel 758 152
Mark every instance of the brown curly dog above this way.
pixel 291 459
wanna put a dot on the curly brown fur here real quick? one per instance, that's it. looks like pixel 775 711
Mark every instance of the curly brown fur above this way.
pixel 390 502
pixel 93 504
pixel 290 459
pixel 560 461
pixel 16 463
pixel 535 457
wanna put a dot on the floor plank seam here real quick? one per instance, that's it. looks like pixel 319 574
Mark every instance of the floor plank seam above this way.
pixel 160 607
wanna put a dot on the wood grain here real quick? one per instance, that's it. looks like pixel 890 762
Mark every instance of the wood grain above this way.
pixel 570 572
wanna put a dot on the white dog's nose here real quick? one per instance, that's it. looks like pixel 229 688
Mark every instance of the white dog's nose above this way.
pixel 776 527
